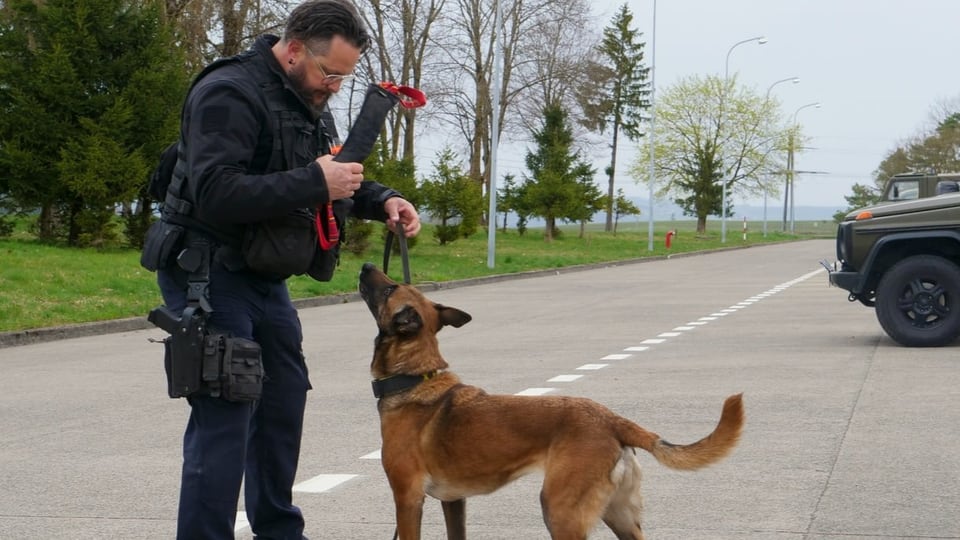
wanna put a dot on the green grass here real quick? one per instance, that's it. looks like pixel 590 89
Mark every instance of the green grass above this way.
pixel 43 285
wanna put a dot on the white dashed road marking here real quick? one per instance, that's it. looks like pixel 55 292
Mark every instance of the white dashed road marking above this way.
pixel 565 378
pixel 322 483
pixel 535 391
pixel 592 367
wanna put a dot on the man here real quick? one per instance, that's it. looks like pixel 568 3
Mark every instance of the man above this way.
pixel 251 131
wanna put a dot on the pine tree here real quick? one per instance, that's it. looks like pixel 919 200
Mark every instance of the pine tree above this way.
pixel 452 198
pixel 617 91
pixel 554 189
pixel 91 94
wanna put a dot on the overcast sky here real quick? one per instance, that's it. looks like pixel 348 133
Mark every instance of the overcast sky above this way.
pixel 878 68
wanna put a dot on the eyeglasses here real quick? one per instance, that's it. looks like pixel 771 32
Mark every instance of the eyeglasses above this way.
pixel 329 78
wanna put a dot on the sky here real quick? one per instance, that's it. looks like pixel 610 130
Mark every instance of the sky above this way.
pixel 878 68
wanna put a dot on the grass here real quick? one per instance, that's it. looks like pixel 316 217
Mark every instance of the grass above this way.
pixel 43 285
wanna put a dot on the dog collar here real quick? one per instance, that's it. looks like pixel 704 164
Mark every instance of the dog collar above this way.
pixel 398 383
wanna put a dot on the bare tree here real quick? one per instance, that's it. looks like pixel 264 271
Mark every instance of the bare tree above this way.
pixel 402 34
pixel 210 29
pixel 538 41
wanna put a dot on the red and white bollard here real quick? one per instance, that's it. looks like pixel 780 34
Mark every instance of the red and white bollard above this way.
pixel 744 228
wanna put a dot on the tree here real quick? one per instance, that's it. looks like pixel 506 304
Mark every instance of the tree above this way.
pixel 623 206
pixel 895 163
pixel 554 189
pixel 538 40
pixel 592 199
pixel 399 174
pixel 410 24
pixel 617 93
pixel 711 131
pixel 91 95
pixel 453 198
pixel 211 29
pixel 862 196
pixel 938 152
pixel 931 152
pixel 507 198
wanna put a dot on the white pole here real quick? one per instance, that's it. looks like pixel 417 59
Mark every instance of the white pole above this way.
pixel 494 142
pixel 726 78
pixel 653 115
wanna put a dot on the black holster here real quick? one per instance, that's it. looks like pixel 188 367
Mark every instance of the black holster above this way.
pixel 198 361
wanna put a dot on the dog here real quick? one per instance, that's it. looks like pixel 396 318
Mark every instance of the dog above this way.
pixel 449 440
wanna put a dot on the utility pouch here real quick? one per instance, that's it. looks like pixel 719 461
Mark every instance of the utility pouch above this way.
pixel 241 377
pixel 324 263
pixel 283 246
pixel 162 240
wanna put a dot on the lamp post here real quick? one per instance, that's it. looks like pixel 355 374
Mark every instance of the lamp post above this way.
pixel 494 142
pixel 794 80
pixel 726 77
pixel 789 195
pixel 653 115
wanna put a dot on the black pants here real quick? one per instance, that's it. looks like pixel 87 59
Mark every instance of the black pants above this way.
pixel 225 441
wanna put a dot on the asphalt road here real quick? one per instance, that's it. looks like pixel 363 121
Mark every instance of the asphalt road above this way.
pixel 848 435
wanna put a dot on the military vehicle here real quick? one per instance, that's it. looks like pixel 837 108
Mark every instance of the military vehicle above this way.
pixel 910 186
pixel 902 258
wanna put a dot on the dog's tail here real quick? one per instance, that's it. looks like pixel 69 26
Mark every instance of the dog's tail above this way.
pixel 706 451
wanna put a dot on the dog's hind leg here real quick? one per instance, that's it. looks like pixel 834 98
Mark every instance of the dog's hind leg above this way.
pixel 626 505
pixel 455 517
pixel 574 496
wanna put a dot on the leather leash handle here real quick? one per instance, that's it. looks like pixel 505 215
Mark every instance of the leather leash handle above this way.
pixel 404 256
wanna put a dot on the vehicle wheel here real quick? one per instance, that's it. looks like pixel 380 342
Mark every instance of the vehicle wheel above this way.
pixel 918 301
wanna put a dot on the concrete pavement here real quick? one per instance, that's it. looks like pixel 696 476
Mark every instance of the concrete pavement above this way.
pixel 848 435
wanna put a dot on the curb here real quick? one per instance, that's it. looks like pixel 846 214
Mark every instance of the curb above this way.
pixel 42 335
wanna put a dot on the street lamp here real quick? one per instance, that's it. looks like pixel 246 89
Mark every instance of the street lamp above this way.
pixel 789 195
pixel 653 116
pixel 726 77
pixel 726 71
pixel 794 80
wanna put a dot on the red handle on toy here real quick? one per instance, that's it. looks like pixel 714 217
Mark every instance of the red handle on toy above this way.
pixel 410 98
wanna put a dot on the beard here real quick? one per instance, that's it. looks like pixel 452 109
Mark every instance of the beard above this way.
pixel 315 99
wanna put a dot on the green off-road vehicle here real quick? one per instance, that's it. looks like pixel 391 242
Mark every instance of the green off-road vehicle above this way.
pixel 903 259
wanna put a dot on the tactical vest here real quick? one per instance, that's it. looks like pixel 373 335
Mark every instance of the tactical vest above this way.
pixel 293 142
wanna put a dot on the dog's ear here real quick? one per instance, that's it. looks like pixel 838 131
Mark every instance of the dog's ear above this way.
pixel 407 321
pixel 452 316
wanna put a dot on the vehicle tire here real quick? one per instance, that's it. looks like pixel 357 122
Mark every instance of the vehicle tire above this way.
pixel 918 301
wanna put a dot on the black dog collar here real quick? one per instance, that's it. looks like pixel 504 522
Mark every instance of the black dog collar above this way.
pixel 399 383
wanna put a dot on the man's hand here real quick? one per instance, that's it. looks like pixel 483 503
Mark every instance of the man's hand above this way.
pixel 401 211
pixel 342 178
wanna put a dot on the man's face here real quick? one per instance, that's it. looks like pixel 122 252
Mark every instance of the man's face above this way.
pixel 318 76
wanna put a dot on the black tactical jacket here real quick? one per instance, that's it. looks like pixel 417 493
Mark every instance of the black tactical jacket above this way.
pixel 249 145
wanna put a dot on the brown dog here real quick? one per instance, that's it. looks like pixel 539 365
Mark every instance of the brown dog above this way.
pixel 450 441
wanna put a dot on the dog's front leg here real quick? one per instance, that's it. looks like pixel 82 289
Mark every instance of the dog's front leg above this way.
pixel 455 516
pixel 409 514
